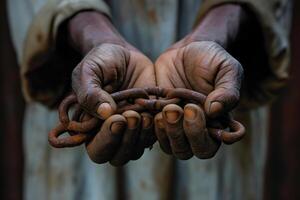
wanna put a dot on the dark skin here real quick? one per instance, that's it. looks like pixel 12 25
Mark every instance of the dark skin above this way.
pixel 110 64
pixel 199 62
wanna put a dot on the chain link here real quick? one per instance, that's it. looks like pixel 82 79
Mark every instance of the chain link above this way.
pixel 83 126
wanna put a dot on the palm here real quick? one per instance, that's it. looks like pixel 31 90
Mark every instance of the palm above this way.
pixel 206 68
pixel 116 67
pixel 106 69
pixel 109 68
pixel 197 66
pixel 140 72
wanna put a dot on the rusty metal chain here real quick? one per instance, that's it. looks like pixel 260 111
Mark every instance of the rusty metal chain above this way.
pixel 83 126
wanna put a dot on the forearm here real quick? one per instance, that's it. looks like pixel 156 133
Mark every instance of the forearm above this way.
pixel 89 29
pixel 238 30
pixel 221 25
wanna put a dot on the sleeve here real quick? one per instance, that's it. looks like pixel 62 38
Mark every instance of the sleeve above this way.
pixel 274 17
pixel 34 26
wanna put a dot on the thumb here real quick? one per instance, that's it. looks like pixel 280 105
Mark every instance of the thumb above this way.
pixel 103 70
pixel 226 93
pixel 97 102
pixel 87 86
pixel 220 101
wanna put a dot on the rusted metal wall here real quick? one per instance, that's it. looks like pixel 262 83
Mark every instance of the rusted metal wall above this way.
pixel 282 178
pixel 11 115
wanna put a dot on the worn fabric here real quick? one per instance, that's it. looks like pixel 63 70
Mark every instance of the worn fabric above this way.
pixel 34 25
pixel 236 172
pixel 274 17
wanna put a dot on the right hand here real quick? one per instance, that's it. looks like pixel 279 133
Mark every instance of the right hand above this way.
pixel 111 65
pixel 106 69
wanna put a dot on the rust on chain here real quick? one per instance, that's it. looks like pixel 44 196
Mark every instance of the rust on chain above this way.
pixel 152 100
pixel 64 107
pixel 71 141
pixel 236 132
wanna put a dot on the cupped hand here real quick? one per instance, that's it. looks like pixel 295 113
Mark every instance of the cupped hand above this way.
pixel 108 68
pixel 205 67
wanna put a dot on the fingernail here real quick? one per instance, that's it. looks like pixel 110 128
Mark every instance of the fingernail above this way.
pixel 132 122
pixel 104 110
pixel 215 107
pixel 116 127
pixel 190 113
pixel 147 122
pixel 172 116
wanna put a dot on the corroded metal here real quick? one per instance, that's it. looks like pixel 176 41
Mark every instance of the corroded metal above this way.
pixel 151 100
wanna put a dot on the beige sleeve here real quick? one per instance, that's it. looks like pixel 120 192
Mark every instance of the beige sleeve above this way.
pixel 274 17
pixel 34 25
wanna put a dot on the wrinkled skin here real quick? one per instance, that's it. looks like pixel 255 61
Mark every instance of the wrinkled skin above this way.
pixel 105 69
pixel 195 63
pixel 207 68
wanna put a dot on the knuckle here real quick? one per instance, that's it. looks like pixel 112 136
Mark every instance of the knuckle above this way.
pixel 75 77
pixel 86 97
pixel 232 97
pixel 235 66
pixel 76 71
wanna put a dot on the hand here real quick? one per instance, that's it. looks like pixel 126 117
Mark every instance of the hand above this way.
pixel 206 67
pixel 108 67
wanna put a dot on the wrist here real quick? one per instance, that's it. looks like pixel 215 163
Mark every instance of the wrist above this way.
pixel 89 29
pixel 221 25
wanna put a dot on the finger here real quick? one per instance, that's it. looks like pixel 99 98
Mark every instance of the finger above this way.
pixel 147 136
pixel 129 140
pixel 161 134
pixel 101 71
pixel 194 124
pixel 173 119
pixel 92 98
pixel 225 95
pixel 104 145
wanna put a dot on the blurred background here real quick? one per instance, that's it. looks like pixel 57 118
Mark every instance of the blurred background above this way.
pixel 282 172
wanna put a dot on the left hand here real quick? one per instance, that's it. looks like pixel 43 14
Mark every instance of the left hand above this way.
pixel 200 62
pixel 206 68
